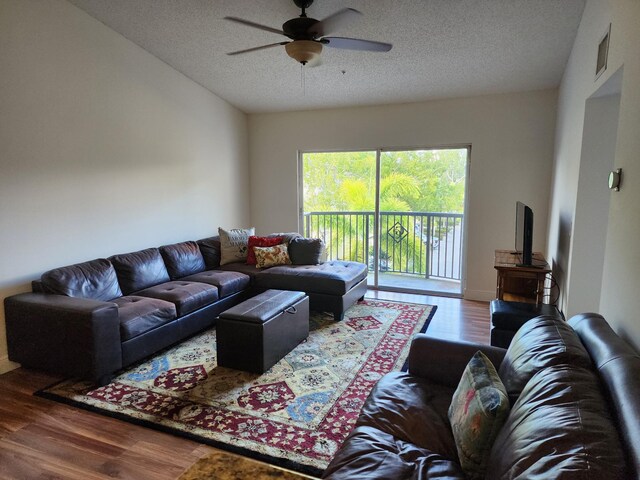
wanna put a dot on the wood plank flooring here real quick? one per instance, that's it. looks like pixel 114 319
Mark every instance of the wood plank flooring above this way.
pixel 42 439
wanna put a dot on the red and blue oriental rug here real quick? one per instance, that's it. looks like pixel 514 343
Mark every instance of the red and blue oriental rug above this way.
pixel 295 415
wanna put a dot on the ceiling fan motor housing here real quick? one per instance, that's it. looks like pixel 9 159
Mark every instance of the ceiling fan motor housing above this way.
pixel 298 28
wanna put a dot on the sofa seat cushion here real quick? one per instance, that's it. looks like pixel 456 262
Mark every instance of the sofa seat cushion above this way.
pixel 250 270
pixel 227 283
pixel 412 409
pixel 186 296
pixel 561 428
pixel 96 280
pixel 541 342
pixel 332 278
pixel 138 315
pixel 139 270
pixel 377 455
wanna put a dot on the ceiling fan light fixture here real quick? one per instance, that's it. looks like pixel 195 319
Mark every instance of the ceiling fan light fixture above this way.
pixel 303 51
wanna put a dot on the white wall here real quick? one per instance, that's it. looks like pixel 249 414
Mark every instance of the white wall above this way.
pixel 619 299
pixel 512 150
pixel 104 148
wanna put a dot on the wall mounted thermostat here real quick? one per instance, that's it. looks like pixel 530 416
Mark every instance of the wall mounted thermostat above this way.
pixel 614 180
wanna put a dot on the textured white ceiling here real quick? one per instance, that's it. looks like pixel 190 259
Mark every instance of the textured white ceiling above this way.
pixel 441 48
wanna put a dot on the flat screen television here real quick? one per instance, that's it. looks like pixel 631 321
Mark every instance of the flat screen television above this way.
pixel 524 234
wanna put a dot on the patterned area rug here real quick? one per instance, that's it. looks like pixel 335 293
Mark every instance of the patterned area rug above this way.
pixel 295 415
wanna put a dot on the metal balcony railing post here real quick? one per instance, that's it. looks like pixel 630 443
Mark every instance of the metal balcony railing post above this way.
pixel 429 250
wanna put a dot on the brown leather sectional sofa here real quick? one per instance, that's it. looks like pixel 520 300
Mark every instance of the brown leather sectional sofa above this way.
pixel 94 318
pixel 575 414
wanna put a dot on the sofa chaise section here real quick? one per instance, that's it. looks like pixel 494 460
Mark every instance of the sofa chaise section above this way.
pixel 332 286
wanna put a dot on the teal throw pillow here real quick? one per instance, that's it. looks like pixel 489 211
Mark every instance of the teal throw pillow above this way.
pixel 478 410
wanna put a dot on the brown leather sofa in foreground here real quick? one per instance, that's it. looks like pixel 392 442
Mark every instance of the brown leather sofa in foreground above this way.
pixel 574 389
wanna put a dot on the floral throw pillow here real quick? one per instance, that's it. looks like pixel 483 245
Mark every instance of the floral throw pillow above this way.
pixel 478 410
pixel 234 244
pixel 260 242
pixel 272 256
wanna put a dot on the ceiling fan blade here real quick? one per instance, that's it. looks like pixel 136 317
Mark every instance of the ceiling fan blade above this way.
pixel 356 44
pixel 334 22
pixel 257 48
pixel 253 24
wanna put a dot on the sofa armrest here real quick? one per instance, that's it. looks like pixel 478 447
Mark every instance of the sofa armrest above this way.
pixel 65 335
pixel 443 361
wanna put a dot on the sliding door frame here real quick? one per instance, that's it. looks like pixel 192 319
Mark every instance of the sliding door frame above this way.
pixel 376 223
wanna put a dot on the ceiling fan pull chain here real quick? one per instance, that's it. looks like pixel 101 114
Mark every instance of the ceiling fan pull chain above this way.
pixel 302 80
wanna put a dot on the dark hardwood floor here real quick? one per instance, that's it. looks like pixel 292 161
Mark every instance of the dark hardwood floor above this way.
pixel 42 439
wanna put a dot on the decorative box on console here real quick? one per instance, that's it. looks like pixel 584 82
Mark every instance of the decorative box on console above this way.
pixel 258 332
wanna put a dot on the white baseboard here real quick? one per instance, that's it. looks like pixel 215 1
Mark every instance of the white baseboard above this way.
pixel 480 295
pixel 7 365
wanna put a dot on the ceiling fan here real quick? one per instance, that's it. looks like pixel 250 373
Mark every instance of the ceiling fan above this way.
pixel 307 35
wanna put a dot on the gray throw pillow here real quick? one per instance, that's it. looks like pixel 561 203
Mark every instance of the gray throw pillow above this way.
pixel 306 251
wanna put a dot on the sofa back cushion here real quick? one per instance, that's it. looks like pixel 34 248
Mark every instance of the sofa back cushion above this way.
pixel 96 279
pixel 139 270
pixel 286 236
pixel 561 428
pixel 210 250
pixel 182 259
pixel 541 342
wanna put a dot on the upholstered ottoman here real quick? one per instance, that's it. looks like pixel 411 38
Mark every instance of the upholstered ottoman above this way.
pixel 508 317
pixel 255 334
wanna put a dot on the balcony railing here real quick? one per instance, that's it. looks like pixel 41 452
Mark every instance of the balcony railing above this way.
pixel 424 244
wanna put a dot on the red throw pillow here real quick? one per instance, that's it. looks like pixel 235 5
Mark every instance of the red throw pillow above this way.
pixel 260 242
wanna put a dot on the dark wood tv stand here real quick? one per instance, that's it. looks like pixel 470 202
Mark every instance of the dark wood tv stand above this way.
pixel 517 283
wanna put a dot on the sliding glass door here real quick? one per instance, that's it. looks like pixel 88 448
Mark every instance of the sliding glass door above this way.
pixel 421 212
pixel 338 202
pixel 399 211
